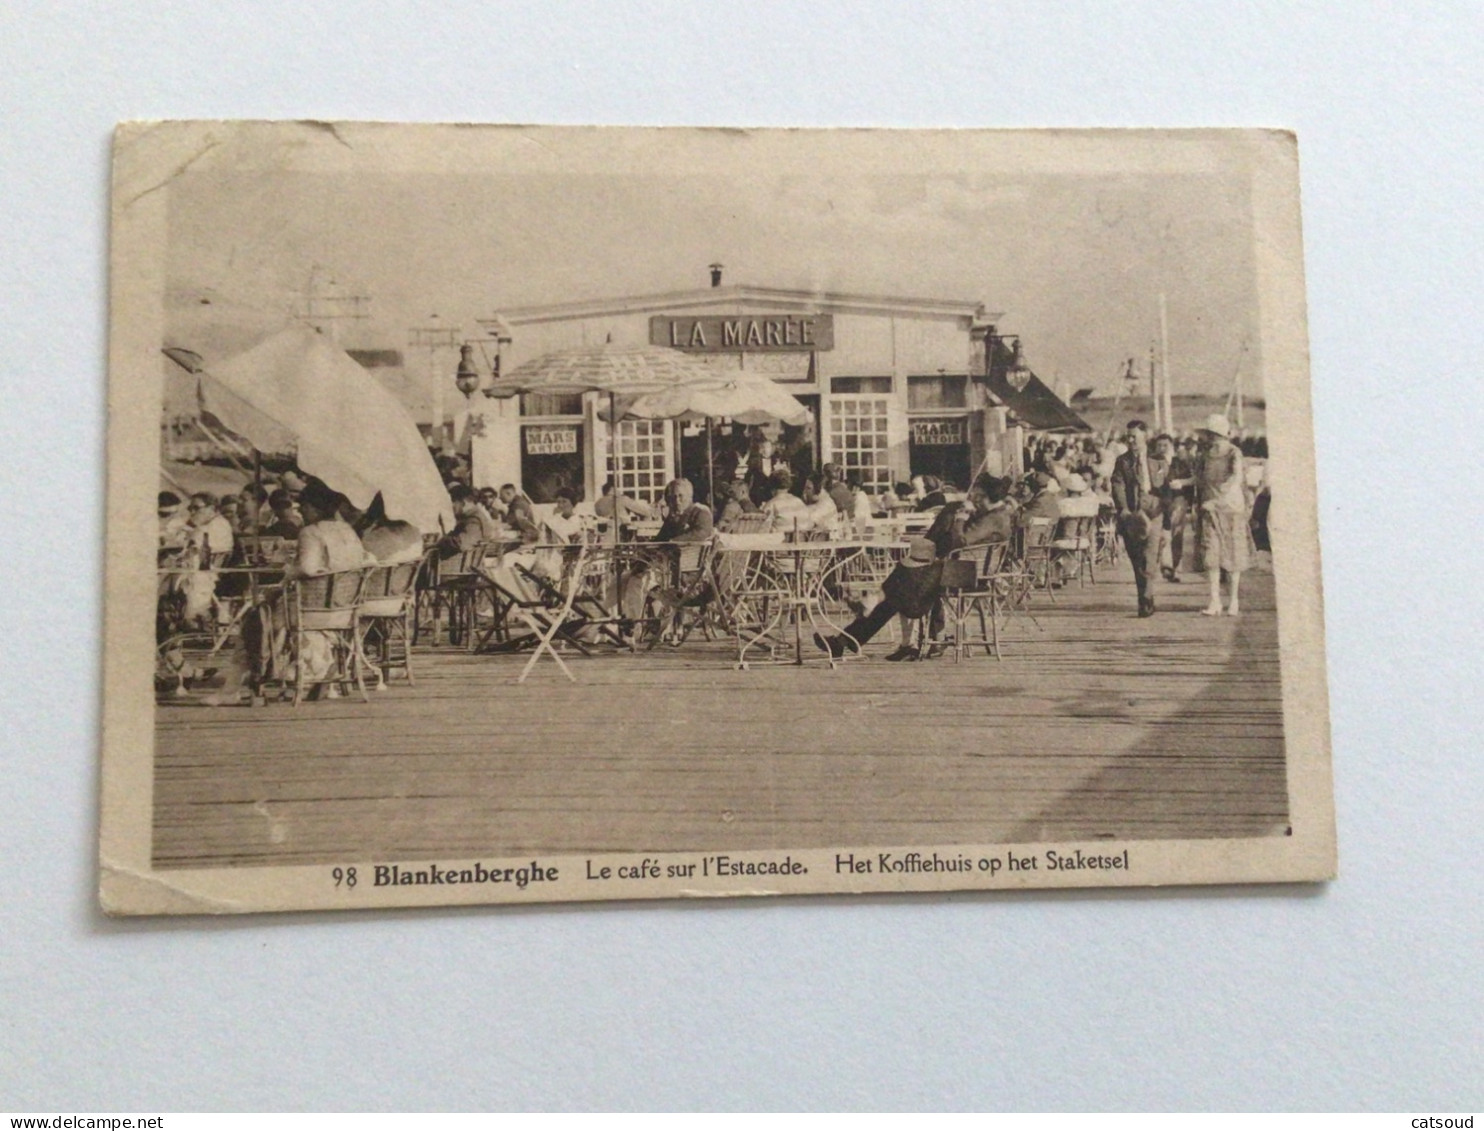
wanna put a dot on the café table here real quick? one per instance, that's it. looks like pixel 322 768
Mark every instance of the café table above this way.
pixel 782 585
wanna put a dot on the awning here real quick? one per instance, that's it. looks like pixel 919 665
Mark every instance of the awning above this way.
pixel 1036 406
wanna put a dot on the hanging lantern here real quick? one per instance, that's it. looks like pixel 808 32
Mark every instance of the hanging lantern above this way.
pixel 1018 375
pixel 466 379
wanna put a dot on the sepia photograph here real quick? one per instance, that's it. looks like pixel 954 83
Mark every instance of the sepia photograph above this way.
pixel 561 514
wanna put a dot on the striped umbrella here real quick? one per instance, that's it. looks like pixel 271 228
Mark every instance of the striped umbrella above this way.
pixel 616 370
pixel 747 399
pixel 619 371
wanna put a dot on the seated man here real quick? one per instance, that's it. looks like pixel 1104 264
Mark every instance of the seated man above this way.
pixel 739 502
pixel 820 513
pixel 990 513
pixel 610 503
pixel 685 520
pixel 932 494
pixel 1045 501
pixel 783 506
pixel 519 514
pixel 286 522
pixel 207 527
pixel 911 590
pixel 475 524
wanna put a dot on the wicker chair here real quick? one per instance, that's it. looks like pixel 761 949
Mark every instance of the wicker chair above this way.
pixel 325 607
pixel 384 618
pixel 975 587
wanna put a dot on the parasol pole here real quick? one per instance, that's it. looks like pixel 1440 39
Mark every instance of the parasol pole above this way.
pixel 617 519
pixel 710 468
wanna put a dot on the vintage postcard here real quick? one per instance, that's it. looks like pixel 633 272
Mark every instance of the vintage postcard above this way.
pixel 549 514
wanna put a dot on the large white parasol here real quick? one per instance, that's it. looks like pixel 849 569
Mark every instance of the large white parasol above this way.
pixel 745 398
pixel 298 391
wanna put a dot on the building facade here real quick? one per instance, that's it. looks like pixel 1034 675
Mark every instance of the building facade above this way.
pixel 894 387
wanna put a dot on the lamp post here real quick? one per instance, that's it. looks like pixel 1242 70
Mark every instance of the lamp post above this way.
pixel 469 379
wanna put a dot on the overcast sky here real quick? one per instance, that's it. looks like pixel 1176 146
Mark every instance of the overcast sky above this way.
pixel 1075 262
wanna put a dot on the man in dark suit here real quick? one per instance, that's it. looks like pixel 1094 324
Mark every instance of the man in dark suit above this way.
pixel 1137 482
pixel 911 590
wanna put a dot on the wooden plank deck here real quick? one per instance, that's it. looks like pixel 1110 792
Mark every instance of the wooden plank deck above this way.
pixel 1097 725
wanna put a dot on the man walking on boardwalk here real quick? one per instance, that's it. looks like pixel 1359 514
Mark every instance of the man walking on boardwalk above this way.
pixel 1137 481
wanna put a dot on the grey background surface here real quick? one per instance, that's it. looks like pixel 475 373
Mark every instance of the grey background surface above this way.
pixel 1366 994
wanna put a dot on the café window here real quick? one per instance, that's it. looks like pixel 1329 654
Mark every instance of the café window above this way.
pixel 855 386
pixel 934 394
pixel 551 404
pixel 858 437
pixel 643 458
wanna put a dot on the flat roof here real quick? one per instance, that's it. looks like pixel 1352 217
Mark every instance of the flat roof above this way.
pixel 780 298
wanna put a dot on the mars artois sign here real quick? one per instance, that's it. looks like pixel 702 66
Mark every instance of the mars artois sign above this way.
pixel 744 332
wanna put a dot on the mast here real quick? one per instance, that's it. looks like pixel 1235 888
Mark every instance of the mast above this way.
pixel 1154 391
pixel 1164 365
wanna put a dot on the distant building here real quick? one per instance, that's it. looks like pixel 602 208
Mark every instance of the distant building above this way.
pixel 894 386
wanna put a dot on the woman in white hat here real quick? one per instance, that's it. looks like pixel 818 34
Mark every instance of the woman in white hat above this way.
pixel 1221 536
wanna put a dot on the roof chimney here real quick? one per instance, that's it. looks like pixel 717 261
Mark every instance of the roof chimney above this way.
pixel 716 274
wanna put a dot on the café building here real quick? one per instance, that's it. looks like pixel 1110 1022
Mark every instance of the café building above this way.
pixel 894 387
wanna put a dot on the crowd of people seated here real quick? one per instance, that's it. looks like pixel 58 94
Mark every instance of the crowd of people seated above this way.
pixel 206 540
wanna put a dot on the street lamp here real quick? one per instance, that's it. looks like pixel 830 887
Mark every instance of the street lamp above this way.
pixel 466 378
pixel 1017 373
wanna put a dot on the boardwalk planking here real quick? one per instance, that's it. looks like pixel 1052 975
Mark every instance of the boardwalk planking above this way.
pixel 1095 725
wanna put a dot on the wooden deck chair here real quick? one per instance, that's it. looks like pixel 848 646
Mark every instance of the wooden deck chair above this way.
pixel 550 623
